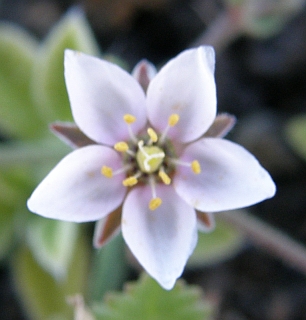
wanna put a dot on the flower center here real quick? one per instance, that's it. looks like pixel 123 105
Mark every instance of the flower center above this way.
pixel 150 159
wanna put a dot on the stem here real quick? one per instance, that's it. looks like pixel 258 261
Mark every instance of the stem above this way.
pixel 220 33
pixel 269 238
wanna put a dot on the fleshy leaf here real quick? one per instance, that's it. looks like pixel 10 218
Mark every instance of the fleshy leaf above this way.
pixel 48 84
pixel 18 116
pixel 52 243
pixel 32 153
pixel 296 134
pixel 40 294
pixel 109 268
pixel 12 199
pixel 145 299
pixel 6 229
pixel 216 246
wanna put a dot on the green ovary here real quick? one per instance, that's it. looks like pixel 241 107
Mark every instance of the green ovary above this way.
pixel 150 158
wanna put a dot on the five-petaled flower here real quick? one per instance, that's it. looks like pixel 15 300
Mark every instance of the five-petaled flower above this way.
pixel 146 147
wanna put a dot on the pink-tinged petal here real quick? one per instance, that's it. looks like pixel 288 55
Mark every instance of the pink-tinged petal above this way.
pixel 184 86
pixel 163 239
pixel 100 94
pixel 231 177
pixel 206 221
pixel 75 190
pixel 144 72
pixel 107 228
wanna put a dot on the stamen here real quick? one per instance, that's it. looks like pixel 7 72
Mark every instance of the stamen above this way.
pixel 195 167
pixel 130 181
pixel 173 119
pixel 152 134
pixel 121 146
pixel 164 177
pixel 107 171
pixel 155 203
pixel 129 119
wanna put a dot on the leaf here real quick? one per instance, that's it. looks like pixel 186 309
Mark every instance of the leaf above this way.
pixel 216 246
pixel 12 197
pixel 41 295
pixel 52 243
pixel 18 116
pixel 145 299
pixel 48 86
pixel 6 229
pixel 35 153
pixel 296 134
pixel 109 268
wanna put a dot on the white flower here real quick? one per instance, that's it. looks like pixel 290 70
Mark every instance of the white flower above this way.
pixel 148 151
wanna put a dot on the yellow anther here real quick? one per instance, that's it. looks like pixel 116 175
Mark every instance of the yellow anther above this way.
pixel 195 166
pixel 107 171
pixel 130 181
pixel 164 177
pixel 121 146
pixel 155 203
pixel 129 119
pixel 152 134
pixel 173 119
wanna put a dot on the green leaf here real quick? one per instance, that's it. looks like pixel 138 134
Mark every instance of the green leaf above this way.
pixel 48 84
pixel 296 134
pixel 52 243
pixel 12 197
pixel 216 246
pixel 6 229
pixel 18 116
pixel 32 153
pixel 41 295
pixel 145 299
pixel 110 259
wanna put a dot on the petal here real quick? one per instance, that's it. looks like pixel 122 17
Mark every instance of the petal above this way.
pixel 230 178
pixel 107 228
pixel 163 239
pixel 100 94
pixel 75 190
pixel 185 86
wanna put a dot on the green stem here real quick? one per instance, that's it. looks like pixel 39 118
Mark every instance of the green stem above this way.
pixel 269 238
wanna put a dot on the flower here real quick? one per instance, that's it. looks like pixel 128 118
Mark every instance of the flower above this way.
pixel 145 147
